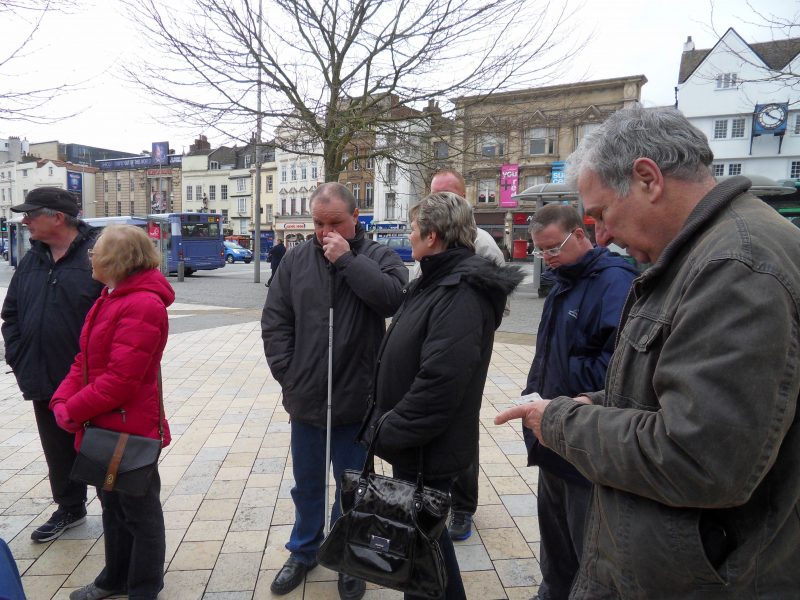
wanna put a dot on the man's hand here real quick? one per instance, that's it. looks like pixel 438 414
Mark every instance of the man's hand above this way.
pixel 530 413
pixel 334 246
pixel 63 419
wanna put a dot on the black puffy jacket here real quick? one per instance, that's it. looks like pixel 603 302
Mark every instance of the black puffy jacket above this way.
pixel 433 362
pixel 43 313
pixel 368 287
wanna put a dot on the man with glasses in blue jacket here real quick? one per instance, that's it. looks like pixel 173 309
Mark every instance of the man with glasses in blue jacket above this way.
pixel 573 348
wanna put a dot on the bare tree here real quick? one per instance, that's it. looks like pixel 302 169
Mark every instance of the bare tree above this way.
pixel 334 71
pixel 777 47
pixel 25 103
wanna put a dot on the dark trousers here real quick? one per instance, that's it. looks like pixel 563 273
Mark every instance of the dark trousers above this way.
pixel 135 542
pixel 465 487
pixel 59 452
pixel 272 274
pixel 310 479
pixel 563 506
pixel 455 587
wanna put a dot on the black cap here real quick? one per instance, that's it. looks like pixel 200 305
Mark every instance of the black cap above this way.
pixel 49 197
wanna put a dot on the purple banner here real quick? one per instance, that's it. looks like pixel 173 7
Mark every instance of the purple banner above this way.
pixel 509 178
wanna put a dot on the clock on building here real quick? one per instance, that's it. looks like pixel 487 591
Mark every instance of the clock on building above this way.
pixel 771 117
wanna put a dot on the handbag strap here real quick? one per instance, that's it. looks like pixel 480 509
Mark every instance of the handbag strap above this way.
pixel 160 396
pixel 369 463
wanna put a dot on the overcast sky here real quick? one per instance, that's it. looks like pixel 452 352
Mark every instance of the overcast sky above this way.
pixel 630 37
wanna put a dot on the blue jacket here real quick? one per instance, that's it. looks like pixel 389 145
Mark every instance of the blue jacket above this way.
pixel 576 339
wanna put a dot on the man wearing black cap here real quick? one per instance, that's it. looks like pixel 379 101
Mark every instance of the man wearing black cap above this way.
pixel 46 304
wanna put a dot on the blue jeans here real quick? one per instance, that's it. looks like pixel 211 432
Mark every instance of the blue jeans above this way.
pixel 310 479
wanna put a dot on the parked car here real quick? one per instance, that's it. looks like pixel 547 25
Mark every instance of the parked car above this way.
pixel 398 243
pixel 234 252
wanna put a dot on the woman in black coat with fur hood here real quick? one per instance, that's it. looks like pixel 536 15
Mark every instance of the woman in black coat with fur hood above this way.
pixel 433 361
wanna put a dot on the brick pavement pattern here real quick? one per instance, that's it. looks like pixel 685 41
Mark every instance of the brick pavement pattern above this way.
pixel 226 479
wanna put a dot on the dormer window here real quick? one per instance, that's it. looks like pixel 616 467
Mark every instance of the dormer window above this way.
pixel 727 81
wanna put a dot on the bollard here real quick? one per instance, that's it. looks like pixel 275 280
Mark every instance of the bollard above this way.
pixel 180 270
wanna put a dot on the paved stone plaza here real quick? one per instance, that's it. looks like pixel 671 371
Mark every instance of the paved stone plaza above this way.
pixel 226 479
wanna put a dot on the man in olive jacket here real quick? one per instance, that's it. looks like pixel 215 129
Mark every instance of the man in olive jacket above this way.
pixel 364 280
pixel 43 313
pixel 694 445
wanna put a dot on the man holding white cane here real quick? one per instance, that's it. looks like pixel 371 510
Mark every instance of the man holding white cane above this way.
pixel 367 281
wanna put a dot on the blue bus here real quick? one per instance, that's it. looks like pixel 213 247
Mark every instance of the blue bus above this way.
pixel 194 238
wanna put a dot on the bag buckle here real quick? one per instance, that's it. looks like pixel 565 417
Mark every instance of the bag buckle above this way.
pixel 379 543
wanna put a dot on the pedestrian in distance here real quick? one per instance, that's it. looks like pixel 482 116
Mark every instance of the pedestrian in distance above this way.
pixel 337 274
pixel 43 312
pixel 433 361
pixel 574 344
pixel 693 446
pixel 275 256
pixel 114 383
pixel 464 491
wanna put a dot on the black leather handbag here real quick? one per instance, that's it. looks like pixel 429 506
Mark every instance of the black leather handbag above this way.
pixel 119 462
pixel 389 530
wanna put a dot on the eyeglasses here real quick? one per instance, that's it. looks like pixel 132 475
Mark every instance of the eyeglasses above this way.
pixel 32 214
pixel 553 251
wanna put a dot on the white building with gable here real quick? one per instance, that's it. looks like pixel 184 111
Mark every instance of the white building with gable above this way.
pixel 741 96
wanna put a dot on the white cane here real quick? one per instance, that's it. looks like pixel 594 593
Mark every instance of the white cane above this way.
pixel 330 395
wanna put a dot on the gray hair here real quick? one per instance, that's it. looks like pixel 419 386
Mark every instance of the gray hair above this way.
pixel 328 191
pixel 69 220
pixel 663 135
pixel 449 216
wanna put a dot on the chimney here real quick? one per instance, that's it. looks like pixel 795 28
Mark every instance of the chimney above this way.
pixel 688 46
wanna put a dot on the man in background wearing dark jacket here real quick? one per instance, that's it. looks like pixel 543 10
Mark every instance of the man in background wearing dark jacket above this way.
pixel 364 282
pixel 46 304
pixel 573 348
pixel 275 257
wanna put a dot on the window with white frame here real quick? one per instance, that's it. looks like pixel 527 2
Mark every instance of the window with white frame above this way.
pixel 356 191
pixel 294 172
pixel 356 165
pixel 24 172
pixel 198 191
pixel 247 160
pixel 794 171
pixel 283 206
pixel 368 195
pixel 487 189
pixel 370 163
pixel 269 183
pixel 718 169
pixel 391 205
pixel 391 172
pixel 796 128
pixel 244 225
pixel 531 180
pixel 224 215
pixel 726 81
pixel 293 202
pixel 720 129
pixel 50 171
pixel 223 192
pixel 737 128
pixel 303 205
pixel 541 140
pixel 314 171
pixel 490 145
pixel 735 169
pixel 242 206
pixel 241 184
pixel 283 174
pixel 213 165
pixel 585 129
pixel 440 150
pixel 212 193
pixel 303 172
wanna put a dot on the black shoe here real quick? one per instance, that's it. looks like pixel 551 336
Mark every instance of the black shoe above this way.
pixel 58 524
pixel 460 527
pixel 290 576
pixel 351 588
pixel 92 592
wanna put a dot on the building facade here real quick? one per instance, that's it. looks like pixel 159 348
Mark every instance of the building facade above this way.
pixel 739 95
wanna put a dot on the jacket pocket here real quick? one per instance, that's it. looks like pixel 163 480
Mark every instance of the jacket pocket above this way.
pixel 630 375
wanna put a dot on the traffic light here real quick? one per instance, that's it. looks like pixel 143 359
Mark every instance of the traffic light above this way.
pixel 3 225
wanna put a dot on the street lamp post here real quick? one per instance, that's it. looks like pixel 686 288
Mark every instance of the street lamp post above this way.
pixel 257 187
